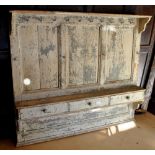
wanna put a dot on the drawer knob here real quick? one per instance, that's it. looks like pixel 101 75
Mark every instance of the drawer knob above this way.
pixel 128 97
pixel 89 103
pixel 44 110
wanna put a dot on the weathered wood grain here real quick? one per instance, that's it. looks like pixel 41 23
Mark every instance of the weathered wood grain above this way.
pixel 83 96
pixel 83 54
pixel 69 119
pixel 136 50
pixel 82 61
pixel 72 130
pixel 124 98
pixel 41 111
pixel 88 103
pixel 28 44
pixel 62 107
pixel 48 56
pixel 81 67
pixel 16 68
pixel 80 49
pixel 117 42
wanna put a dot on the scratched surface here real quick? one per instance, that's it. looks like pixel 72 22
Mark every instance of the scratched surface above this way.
pixel 28 45
pixel 66 119
pixel 82 42
pixel 70 130
pixel 118 50
pixel 48 54
pixel 67 51
pixel 73 50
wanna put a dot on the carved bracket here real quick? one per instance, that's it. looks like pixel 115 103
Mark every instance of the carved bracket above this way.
pixel 142 23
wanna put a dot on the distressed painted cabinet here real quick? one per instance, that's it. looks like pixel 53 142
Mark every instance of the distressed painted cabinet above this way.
pixel 73 72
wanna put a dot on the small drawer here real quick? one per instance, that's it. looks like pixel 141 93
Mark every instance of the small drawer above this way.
pixel 88 104
pixel 127 97
pixel 41 111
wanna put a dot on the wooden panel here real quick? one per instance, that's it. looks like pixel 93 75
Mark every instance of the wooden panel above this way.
pixel 117 42
pixel 95 52
pixel 16 68
pixel 79 128
pixel 48 54
pixel 77 42
pixel 81 45
pixel 39 51
pixel 28 44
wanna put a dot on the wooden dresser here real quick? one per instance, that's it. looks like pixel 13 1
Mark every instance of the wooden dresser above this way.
pixel 73 72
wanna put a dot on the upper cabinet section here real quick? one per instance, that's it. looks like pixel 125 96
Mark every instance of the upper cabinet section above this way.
pixel 65 53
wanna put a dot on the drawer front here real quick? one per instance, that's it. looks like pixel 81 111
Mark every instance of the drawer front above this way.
pixel 88 104
pixel 41 111
pixel 128 97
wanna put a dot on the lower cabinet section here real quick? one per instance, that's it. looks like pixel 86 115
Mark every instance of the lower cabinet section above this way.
pixel 64 120
pixel 38 123
pixel 53 127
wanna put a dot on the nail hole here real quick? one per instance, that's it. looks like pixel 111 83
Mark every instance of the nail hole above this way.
pixel 27 81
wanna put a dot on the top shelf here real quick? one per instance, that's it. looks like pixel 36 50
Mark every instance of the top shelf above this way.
pixel 79 14
pixel 105 92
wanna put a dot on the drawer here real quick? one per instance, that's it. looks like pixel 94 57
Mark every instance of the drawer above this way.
pixel 88 104
pixel 52 109
pixel 127 97
pixel 41 111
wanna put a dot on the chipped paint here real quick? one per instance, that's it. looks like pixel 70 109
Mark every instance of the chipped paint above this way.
pixel 45 51
pixel 81 53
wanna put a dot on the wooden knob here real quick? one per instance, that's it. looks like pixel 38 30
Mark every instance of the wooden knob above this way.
pixel 44 110
pixel 127 97
pixel 89 103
